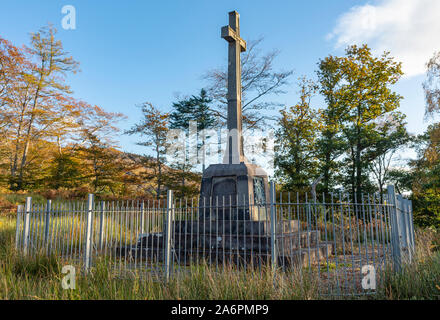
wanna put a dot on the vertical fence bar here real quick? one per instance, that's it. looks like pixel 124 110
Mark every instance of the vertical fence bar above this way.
pixel 405 232
pixel 101 225
pixel 395 226
pixel 17 226
pixel 273 217
pixel 28 208
pixel 89 228
pixel 47 227
pixel 169 221
pixel 142 217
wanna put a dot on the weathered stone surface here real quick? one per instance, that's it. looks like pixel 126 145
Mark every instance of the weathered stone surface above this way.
pixel 292 247
pixel 233 227
pixel 236 45
pixel 306 256
pixel 234 208
pixel 229 192
pixel 238 256
pixel 236 182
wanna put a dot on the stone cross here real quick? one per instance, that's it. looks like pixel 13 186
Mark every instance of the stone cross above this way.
pixel 231 33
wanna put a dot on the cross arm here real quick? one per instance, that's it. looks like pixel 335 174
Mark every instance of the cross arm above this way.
pixel 230 35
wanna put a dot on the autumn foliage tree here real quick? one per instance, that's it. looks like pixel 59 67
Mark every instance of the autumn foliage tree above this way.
pixel 350 141
pixel 153 128
pixel 424 176
pixel 41 123
pixel 37 101
pixel 362 95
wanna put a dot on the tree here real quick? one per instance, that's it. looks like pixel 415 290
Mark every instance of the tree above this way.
pixel 65 171
pixel 154 127
pixel 402 179
pixel 194 108
pixel 426 178
pixel 259 81
pixel 391 136
pixel 363 95
pixel 46 89
pixel 295 152
pixel 104 168
pixel 35 100
pixel 431 85
pixel 330 144
pixel 42 127
pixel 12 63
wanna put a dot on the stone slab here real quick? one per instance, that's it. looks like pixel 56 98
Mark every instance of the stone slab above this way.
pixel 219 227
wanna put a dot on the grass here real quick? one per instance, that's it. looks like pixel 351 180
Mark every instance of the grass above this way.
pixel 419 280
pixel 40 277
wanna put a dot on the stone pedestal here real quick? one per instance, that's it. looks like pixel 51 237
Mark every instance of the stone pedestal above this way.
pixel 234 192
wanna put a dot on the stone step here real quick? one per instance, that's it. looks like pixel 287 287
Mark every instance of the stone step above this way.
pixel 233 227
pixel 296 240
pixel 288 241
pixel 306 256
pixel 303 257
pixel 287 244
pixel 255 242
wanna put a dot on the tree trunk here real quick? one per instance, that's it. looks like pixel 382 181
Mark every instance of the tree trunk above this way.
pixel 29 129
pixel 326 173
pixel 358 169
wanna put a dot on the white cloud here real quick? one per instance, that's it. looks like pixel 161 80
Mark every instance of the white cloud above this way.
pixel 409 29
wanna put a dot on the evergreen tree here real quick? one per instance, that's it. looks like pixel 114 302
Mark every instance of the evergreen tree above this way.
pixel 194 108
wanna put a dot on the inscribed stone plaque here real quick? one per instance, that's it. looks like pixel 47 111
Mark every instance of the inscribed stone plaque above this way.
pixel 259 191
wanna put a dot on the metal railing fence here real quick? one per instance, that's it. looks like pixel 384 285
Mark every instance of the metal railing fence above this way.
pixel 338 238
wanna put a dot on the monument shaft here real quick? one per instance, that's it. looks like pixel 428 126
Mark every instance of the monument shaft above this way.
pixel 231 33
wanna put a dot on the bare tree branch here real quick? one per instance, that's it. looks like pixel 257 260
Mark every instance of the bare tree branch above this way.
pixel 259 81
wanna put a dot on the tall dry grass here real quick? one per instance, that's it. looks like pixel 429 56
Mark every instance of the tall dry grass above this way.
pixel 419 280
pixel 39 277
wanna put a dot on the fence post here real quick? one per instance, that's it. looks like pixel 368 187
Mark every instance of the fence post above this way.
pixel 27 214
pixel 395 226
pixel 101 225
pixel 403 230
pixel 273 225
pixel 169 221
pixel 47 227
pixel 89 229
pixel 17 228
pixel 408 231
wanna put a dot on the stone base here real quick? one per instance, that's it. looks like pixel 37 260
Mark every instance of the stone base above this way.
pixel 235 242
pixel 233 227
pixel 234 192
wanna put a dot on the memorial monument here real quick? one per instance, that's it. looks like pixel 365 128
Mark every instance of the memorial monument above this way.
pixel 235 182
pixel 232 222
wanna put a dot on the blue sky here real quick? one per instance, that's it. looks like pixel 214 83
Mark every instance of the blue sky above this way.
pixel 136 51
